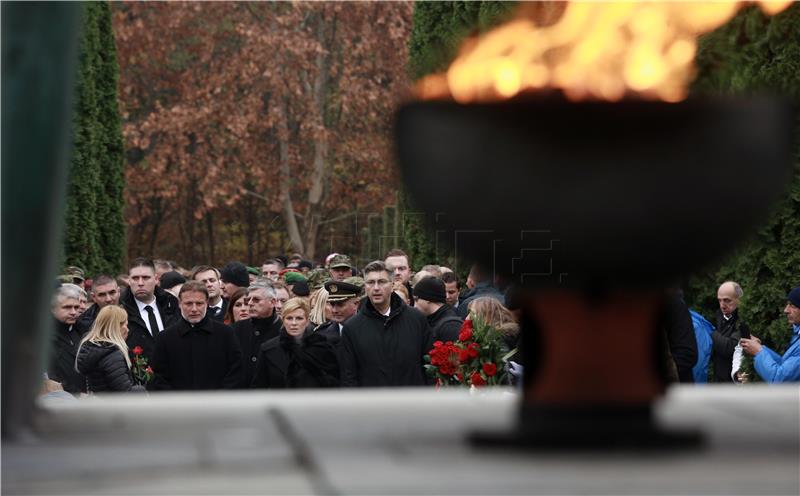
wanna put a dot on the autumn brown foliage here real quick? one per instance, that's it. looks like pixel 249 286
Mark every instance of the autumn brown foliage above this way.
pixel 246 119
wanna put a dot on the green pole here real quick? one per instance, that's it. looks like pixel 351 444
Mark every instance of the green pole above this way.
pixel 39 50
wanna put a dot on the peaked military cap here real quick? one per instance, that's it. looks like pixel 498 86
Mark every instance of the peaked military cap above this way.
pixel 340 290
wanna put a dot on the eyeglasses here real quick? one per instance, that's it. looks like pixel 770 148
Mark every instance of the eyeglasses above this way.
pixel 376 282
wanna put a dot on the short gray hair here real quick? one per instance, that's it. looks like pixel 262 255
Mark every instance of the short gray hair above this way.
pixel 268 288
pixel 66 292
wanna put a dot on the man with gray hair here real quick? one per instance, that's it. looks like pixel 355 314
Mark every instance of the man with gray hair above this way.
pixel 729 330
pixel 263 324
pixel 105 291
pixel 65 307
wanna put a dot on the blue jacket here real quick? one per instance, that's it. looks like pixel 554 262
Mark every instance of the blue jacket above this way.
pixel 702 333
pixel 775 368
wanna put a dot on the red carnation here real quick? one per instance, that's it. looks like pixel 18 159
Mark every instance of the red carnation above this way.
pixel 437 344
pixel 489 369
pixel 137 350
pixel 463 356
pixel 477 380
pixel 465 335
pixel 474 350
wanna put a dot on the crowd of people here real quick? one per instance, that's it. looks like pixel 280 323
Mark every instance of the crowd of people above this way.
pixel 288 324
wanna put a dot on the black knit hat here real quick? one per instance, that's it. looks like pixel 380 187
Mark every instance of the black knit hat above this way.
pixel 300 288
pixel 794 297
pixel 235 273
pixel 169 280
pixel 432 289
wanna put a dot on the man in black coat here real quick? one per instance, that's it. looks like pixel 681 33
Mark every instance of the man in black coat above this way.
pixel 197 352
pixel 105 291
pixel 729 330
pixel 384 344
pixel 65 307
pixel 676 322
pixel 480 283
pixel 431 297
pixel 150 308
pixel 263 324
pixel 343 298
pixel 217 305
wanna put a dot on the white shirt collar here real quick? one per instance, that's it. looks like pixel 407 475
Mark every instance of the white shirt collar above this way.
pixel 142 305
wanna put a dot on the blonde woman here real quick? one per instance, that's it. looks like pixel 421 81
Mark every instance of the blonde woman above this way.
pixel 320 313
pixel 297 357
pixel 498 316
pixel 103 355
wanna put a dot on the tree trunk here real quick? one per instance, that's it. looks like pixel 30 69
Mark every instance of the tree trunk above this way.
pixel 317 193
pixel 158 216
pixel 285 182
pixel 250 225
pixel 210 226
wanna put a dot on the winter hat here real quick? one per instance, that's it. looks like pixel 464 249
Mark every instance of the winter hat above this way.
pixel 169 280
pixel 293 277
pixel 340 261
pixel 235 273
pixel 300 288
pixel 432 289
pixel 794 297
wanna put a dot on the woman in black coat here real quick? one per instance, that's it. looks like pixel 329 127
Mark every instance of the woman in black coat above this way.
pixel 296 358
pixel 103 355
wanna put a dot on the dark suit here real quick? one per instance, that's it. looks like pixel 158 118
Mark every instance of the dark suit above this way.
pixel 62 357
pixel 218 314
pixel 138 335
pixel 252 333
pixel 331 331
pixel 724 340
pixel 202 356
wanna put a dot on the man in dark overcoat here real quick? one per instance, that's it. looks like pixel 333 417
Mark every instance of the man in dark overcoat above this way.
pixel 385 342
pixel 263 324
pixel 197 352
pixel 150 308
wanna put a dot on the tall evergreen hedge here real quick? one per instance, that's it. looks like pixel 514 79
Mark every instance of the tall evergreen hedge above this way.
pixel 754 53
pixel 94 233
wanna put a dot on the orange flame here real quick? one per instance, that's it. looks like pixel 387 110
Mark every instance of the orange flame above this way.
pixel 593 51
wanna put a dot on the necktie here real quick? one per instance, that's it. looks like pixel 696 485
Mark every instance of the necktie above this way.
pixel 151 316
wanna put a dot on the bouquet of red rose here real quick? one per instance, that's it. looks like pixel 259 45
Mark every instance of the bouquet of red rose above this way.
pixel 478 358
pixel 142 373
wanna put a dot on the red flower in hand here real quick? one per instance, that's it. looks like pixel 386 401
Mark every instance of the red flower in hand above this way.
pixel 466 331
pixel 477 380
pixel 489 369
pixel 137 350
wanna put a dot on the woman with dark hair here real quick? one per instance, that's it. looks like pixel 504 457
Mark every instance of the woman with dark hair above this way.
pixel 237 307
pixel 103 355
pixel 297 357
